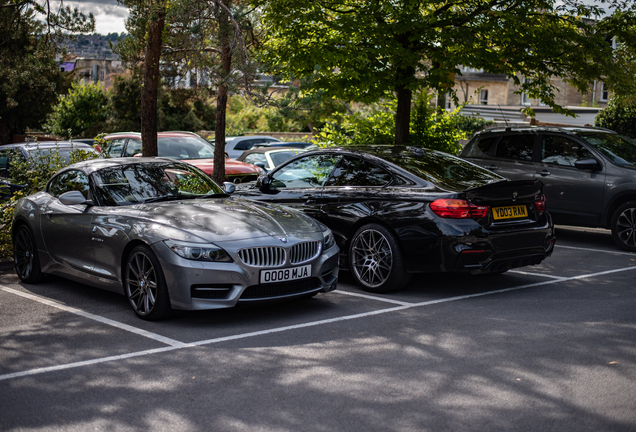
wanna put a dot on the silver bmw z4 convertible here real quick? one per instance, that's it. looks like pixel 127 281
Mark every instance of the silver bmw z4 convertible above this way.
pixel 167 237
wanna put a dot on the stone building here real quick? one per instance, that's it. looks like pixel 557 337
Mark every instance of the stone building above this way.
pixel 94 70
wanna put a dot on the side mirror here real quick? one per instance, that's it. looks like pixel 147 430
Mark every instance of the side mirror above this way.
pixel 261 165
pixel 263 182
pixel 587 164
pixel 73 198
pixel 229 187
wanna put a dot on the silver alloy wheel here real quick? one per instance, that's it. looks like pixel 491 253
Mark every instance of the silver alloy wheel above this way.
pixel 626 227
pixel 372 258
pixel 24 254
pixel 141 283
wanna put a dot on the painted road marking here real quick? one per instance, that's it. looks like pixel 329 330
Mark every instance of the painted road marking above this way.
pixel 181 345
pixel 94 317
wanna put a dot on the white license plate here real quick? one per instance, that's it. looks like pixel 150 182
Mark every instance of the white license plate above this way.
pixel 286 274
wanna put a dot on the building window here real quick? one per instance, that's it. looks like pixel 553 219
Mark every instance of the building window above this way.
pixel 604 93
pixel 525 99
pixel 448 101
pixel 483 97
pixel 101 75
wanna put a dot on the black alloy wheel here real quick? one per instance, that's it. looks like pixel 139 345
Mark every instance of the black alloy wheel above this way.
pixel 25 257
pixel 624 226
pixel 145 285
pixel 376 260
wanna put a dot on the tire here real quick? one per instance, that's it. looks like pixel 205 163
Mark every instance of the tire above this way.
pixel 145 286
pixel 623 226
pixel 26 260
pixel 376 261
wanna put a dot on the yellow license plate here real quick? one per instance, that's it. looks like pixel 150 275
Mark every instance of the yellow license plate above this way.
pixel 510 212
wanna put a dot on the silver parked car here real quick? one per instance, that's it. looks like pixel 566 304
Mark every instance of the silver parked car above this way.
pixel 165 235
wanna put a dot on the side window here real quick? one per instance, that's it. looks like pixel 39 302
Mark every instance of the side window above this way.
pixel 310 171
pixel 356 172
pixel 244 145
pixel 4 164
pixel 517 147
pixel 114 147
pixel 133 148
pixel 69 181
pixel 562 151
pixel 255 158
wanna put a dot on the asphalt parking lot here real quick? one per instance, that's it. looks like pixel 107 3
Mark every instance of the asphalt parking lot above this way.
pixel 544 348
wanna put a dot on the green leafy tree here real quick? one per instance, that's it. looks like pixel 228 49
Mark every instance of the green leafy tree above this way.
pixel 365 51
pixel 619 117
pixel 79 112
pixel 175 37
pixel 30 36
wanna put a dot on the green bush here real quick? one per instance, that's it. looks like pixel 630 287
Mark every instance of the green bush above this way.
pixel 618 117
pixel 375 124
pixel 33 173
pixel 78 112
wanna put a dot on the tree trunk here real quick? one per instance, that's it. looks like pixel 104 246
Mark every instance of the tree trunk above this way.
pixel 225 35
pixel 403 115
pixel 151 79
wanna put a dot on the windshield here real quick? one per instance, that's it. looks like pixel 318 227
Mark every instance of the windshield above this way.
pixel 441 169
pixel 185 147
pixel 151 182
pixel 618 149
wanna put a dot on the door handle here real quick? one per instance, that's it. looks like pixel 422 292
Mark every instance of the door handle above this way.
pixel 544 173
pixel 308 198
pixel 492 167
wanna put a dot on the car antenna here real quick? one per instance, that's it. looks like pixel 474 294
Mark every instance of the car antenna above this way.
pixel 503 115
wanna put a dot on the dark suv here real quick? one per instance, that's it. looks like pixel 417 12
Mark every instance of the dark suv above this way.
pixel 588 174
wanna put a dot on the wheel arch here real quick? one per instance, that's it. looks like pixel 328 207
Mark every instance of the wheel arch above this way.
pixel 129 246
pixel 614 204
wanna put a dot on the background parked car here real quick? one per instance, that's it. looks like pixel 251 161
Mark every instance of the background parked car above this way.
pixel 588 174
pixel 396 211
pixel 31 150
pixel 165 235
pixel 235 146
pixel 268 157
pixel 294 144
pixel 186 146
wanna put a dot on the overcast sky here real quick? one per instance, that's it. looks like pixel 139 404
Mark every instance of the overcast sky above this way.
pixel 110 15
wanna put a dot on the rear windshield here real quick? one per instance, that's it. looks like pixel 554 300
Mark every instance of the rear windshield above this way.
pixel 441 169
pixel 618 149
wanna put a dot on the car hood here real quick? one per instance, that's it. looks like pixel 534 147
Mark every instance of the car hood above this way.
pixel 225 219
pixel 231 166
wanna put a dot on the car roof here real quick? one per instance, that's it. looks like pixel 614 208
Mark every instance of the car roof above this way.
pixel 249 137
pixel 271 149
pixel 45 144
pixel 159 134
pixel 573 130
pixel 90 166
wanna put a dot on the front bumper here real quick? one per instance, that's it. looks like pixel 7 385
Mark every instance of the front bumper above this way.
pixel 198 285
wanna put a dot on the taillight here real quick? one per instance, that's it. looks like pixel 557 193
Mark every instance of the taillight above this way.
pixel 458 209
pixel 540 203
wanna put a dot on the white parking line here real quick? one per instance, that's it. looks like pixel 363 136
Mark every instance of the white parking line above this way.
pixel 97 318
pixel 598 250
pixel 372 297
pixel 537 274
pixel 180 345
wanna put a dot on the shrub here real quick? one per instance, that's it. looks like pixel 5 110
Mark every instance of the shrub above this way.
pixel 79 111
pixel 618 117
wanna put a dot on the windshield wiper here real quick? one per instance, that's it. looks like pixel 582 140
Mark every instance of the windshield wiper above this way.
pixel 213 195
pixel 163 198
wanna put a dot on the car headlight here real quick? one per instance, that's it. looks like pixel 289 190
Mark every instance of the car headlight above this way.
pixel 198 251
pixel 329 240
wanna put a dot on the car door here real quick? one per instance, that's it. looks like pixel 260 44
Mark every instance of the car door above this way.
pixel 299 183
pixel 573 196
pixel 66 229
pixel 511 156
pixel 354 190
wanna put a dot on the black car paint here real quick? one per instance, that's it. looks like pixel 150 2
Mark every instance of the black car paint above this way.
pixel 429 243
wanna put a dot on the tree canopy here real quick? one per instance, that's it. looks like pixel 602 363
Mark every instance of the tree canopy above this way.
pixel 29 76
pixel 364 51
